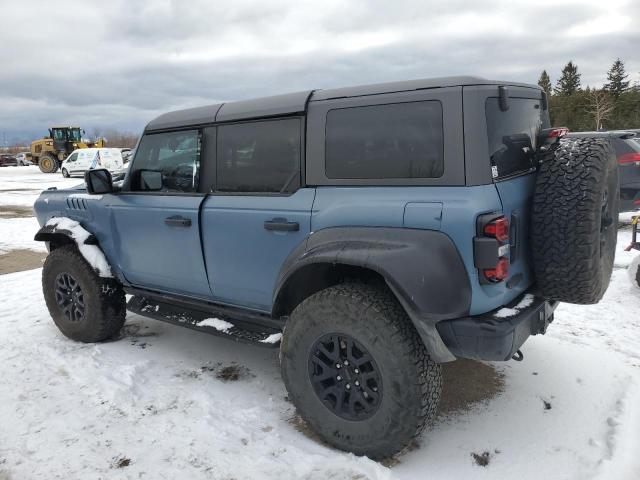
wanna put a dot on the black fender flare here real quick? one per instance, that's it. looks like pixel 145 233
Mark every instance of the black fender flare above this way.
pixel 423 269
pixel 49 233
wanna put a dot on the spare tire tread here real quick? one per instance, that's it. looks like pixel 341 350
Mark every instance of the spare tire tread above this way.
pixel 566 216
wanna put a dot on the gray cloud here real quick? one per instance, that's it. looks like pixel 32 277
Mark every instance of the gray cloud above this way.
pixel 119 64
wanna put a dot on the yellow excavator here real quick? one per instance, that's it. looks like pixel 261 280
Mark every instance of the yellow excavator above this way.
pixel 49 152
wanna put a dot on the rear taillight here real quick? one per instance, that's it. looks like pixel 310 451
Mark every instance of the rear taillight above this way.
pixel 491 248
pixel 498 229
pixel 499 273
pixel 557 132
pixel 629 158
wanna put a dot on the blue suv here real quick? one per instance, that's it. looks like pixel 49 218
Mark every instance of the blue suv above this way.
pixel 371 233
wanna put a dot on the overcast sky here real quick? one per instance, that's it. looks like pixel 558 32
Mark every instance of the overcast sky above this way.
pixel 118 63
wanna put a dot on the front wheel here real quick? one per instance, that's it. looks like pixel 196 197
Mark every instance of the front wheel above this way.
pixel 358 372
pixel 48 163
pixel 84 306
pixel 65 173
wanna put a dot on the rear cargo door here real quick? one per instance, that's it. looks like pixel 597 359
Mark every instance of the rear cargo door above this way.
pixel 511 136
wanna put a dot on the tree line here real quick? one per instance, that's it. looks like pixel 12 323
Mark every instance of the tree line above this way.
pixel 615 106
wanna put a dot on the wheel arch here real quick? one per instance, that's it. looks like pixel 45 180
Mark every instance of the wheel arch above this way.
pixel 56 238
pixel 422 269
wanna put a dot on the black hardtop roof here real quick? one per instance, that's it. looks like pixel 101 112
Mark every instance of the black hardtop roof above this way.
pixel 293 103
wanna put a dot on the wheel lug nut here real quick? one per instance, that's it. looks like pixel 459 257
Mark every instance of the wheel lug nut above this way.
pixel 338 365
pixel 347 386
pixel 357 383
pixel 346 362
pixel 338 378
pixel 357 371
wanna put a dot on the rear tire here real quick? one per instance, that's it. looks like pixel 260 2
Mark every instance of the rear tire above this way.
pixel 575 220
pixel 84 306
pixel 398 387
pixel 48 163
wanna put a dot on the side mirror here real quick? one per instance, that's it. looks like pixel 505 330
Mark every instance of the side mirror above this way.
pixel 150 180
pixel 98 181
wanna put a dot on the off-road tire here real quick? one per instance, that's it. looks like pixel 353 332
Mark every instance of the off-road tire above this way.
pixel 65 173
pixel 574 220
pixel 411 382
pixel 48 163
pixel 104 300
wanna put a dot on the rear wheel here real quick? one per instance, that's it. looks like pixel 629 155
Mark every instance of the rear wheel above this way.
pixel 357 371
pixel 575 220
pixel 84 306
pixel 47 163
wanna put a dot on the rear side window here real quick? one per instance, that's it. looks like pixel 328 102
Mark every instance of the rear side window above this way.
pixel 513 134
pixel 175 156
pixel 259 157
pixel 401 140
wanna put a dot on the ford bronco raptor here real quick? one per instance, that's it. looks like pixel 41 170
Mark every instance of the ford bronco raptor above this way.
pixel 371 233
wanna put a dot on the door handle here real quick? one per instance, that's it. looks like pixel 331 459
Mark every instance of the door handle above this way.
pixel 177 221
pixel 282 225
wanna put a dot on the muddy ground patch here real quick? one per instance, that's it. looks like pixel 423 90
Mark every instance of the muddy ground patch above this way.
pixel 20 260
pixel 467 383
pixel 16 211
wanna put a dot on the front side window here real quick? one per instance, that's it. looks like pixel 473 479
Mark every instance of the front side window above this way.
pixel 400 140
pixel 167 162
pixel 259 156
pixel 73 157
pixel 513 134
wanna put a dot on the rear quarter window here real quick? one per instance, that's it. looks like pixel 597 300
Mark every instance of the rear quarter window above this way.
pixel 513 134
pixel 400 140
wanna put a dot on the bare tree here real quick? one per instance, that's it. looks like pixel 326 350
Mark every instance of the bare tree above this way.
pixel 600 106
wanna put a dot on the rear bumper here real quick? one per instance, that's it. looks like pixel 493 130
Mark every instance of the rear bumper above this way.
pixel 497 335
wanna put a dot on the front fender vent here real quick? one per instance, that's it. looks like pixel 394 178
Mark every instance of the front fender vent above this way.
pixel 76 204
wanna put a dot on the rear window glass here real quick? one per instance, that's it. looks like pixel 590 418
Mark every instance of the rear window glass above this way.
pixel 513 134
pixel 634 144
pixel 402 140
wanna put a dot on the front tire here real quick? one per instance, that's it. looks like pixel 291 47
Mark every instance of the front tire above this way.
pixel 84 306
pixel 48 163
pixel 65 174
pixel 358 372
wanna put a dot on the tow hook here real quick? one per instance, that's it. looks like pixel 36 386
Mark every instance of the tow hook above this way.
pixel 518 356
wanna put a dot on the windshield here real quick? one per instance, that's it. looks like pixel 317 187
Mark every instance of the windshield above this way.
pixel 59 134
pixel 513 134
pixel 74 135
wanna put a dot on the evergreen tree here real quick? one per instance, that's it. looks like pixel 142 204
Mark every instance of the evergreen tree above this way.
pixel 617 77
pixel 569 81
pixel 545 82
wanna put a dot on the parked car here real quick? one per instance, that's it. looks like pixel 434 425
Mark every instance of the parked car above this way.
pixel 23 158
pixel 85 159
pixel 627 150
pixel 7 160
pixel 371 233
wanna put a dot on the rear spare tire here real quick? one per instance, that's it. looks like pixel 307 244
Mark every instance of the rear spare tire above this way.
pixel 575 220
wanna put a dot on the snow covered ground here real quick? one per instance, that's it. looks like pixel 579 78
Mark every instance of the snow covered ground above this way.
pixel 167 402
